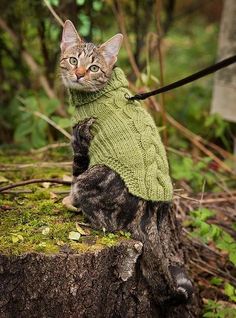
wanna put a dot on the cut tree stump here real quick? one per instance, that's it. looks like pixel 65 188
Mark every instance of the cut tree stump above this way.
pixel 105 283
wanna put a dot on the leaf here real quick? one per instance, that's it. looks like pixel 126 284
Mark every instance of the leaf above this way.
pixel 60 243
pixel 42 245
pixel 232 257
pixel 230 291
pixel 50 105
pixel 62 122
pixel 209 315
pixel 97 5
pixel 46 230
pixel 204 228
pixel 85 24
pixel 54 2
pixel 203 214
pixel 20 237
pixel 38 138
pixel 75 236
pixel 46 185
pixel 80 2
pixel 14 239
pixel 23 129
pixel 215 232
pixel 67 178
pixel 53 195
pixel 3 179
pixel 82 231
pixel 216 281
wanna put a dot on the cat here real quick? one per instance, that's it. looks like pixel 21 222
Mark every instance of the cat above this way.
pixel 106 185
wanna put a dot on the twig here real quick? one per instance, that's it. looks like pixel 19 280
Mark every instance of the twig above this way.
pixel 51 146
pixel 217 200
pixel 16 192
pixel 52 123
pixel 56 16
pixel 222 152
pixel 217 270
pixel 204 269
pixel 44 117
pixel 162 97
pixel 207 201
pixel 196 140
pixel 12 167
pixel 22 183
pixel 199 243
pixel 187 198
pixel 61 192
pixel 118 11
pixel 202 193
pixel 34 67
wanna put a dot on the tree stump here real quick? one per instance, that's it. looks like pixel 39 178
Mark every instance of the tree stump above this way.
pixel 104 283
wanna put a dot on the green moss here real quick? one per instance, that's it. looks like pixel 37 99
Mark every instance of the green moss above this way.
pixel 39 222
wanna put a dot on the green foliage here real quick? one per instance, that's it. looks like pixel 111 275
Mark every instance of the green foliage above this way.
pixel 230 291
pixel 217 128
pixel 216 281
pixel 212 233
pixel 95 21
pixel 196 173
pixel 32 131
pixel 53 2
pixel 85 24
pixel 212 309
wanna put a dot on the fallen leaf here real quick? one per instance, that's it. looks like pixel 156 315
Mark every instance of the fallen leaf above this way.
pixel 75 236
pixel 53 195
pixel 67 178
pixel 20 237
pixel 45 230
pixel 46 185
pixel 3 179
pixel 81 230
pixel 43 244
pixel 14 239
pixel 60 243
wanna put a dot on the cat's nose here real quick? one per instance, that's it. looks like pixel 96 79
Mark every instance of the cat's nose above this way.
pixel 79 76
pixel 80 72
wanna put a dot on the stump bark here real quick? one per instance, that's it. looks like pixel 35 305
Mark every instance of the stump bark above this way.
pixel 105 283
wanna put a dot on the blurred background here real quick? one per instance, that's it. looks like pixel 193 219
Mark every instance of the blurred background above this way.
pixel 164 41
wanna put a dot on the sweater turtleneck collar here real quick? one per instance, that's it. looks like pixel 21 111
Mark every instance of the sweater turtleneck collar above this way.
pixel 116 81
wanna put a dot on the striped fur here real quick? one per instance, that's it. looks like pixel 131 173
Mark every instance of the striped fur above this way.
pixel 107 203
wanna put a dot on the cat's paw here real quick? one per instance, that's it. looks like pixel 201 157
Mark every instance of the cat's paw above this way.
pixel 184 287
pixel 67 202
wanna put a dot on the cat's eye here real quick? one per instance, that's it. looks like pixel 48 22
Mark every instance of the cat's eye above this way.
pixel 73 61
pixel 94 68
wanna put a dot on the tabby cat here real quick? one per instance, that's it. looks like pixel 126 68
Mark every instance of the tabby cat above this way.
pixel 120 172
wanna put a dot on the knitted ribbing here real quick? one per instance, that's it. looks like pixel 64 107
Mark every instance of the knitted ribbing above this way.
pixel 125 139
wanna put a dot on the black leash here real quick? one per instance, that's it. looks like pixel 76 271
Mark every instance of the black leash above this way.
pixel 206 71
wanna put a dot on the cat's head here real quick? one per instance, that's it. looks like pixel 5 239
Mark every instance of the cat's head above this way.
pixel 85 66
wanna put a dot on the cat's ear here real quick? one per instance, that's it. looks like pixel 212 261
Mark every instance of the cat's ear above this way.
pixel 69 35
pixel 110 48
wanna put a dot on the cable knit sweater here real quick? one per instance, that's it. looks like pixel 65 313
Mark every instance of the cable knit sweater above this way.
pixel 125 138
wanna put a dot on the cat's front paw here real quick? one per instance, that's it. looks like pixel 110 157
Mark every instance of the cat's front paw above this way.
pixel 68 203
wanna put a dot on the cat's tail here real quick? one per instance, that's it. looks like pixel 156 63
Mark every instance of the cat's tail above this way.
pixel 162 260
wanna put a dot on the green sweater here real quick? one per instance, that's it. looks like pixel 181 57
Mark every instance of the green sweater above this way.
pixel 125 138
